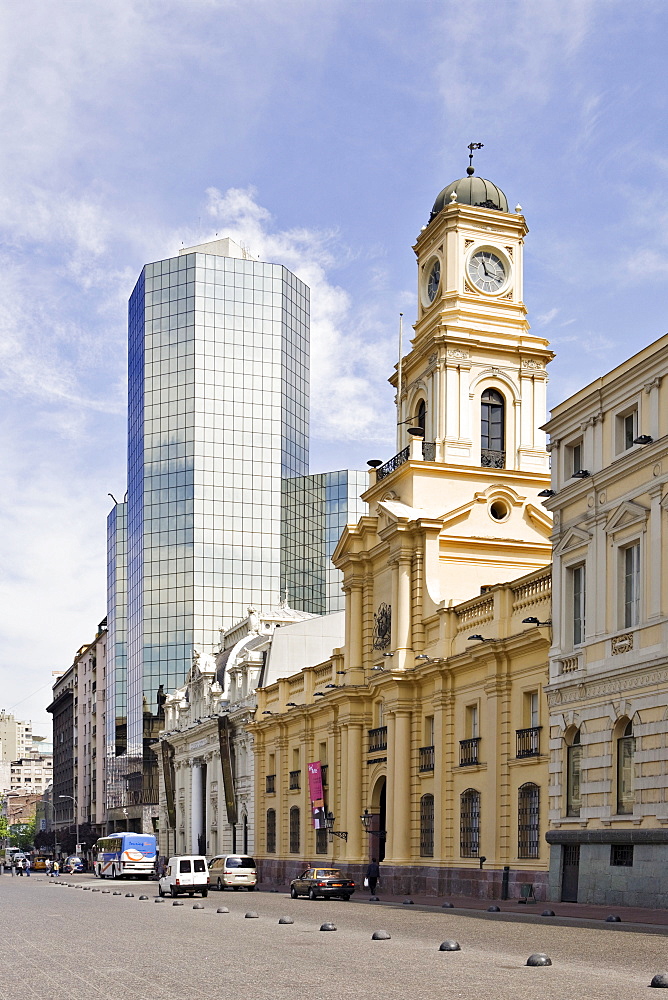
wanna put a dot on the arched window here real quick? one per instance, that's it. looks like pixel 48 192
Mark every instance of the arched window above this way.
pixel 271 831
pixel 469 823
pixel 427 826
pixel 294 830
pixel 422 416
pixel 573 769
pixel 528 820
pixel 492 430
pixel 626 746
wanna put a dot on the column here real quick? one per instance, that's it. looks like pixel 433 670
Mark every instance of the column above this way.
pixel 196 805
pixel 354 792
pixel 653 557
pixel 401 811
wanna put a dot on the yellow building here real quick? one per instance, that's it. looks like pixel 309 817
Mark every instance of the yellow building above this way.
pixel 608 691
pixel 437 735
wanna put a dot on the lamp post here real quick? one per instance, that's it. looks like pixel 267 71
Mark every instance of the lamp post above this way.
pixel 76 816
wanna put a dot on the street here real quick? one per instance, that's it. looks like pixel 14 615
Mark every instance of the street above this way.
pixel 62 942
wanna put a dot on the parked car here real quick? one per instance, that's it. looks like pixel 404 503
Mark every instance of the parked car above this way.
pixel 322 882
pixel 39 863
pixel 185 874
pixel 233 871
pixel 73 865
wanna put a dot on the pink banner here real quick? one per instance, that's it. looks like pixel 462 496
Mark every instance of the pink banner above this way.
pixel 316 794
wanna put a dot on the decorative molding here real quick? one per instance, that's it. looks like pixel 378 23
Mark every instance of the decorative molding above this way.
pixel 586 691
pixel 468 243
pixel 592 420
pixel 621 643
pixel 460 353
pixel 433 358
pixel 652 384
pixel 626 515
pixel 573 538
pixel 533 364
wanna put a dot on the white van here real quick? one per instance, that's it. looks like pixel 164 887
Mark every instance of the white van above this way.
pixel 187 873
pixel 233 871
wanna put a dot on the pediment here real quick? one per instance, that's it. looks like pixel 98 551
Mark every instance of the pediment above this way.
pixel 573 538
pixel 628 513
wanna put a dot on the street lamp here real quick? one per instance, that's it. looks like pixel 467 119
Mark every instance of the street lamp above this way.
pixel 367 822
pixel 76 815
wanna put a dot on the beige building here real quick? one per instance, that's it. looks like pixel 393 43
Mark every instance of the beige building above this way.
pixel 608 691
pixel 429 717
pixel 32 774
pixel 16 737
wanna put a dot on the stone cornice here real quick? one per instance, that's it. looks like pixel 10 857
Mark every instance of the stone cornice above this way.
pixel 588 690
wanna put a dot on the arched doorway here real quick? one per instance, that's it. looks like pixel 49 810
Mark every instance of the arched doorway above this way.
pixel 377 834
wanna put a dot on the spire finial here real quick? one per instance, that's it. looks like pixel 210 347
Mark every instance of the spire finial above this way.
pixel 472 147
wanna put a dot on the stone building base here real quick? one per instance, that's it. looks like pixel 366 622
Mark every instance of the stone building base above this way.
pixel 644 882
pixel 419 880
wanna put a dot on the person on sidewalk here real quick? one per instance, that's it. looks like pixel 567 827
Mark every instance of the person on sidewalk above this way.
pixel 372 875
pixel 28 867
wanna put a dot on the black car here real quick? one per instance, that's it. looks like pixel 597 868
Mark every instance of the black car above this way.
pixel 322 882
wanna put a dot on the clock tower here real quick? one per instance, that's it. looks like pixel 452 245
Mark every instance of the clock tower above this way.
pixel 475 379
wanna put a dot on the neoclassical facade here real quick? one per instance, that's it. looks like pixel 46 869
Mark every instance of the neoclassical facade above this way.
pixel 417 718
pixel 608 690
pixel 205 752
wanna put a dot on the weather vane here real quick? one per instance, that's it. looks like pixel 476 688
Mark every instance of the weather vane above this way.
pixel 472 147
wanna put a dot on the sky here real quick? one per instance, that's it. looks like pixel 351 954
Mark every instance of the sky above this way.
pixel 318 135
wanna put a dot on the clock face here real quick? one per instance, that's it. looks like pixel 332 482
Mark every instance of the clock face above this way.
pixel 487 271
pixel 434 280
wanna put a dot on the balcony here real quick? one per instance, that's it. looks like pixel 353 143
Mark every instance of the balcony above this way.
pixel 428 455
pixel 469 752
pixel 378 739
pixel 295 780
pixel 324 772
pixel 528 742
pixel 426 758
pixel 270 784
pixel 490 459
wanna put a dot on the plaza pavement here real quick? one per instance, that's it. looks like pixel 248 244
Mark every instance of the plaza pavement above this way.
pixel 64 941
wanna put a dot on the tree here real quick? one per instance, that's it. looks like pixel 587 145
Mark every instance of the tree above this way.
pixel 22 835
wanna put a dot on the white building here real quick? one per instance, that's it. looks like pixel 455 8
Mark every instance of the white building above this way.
pixel 16 738
pixel 206 752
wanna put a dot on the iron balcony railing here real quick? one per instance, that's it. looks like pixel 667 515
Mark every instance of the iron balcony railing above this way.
pixel 490 459
pixel 426 758
pixel 528 742
pixel 378 739
pixel 295 780
pixel 428 455
pixel 270 783
pixel 324 771
pixel 469 751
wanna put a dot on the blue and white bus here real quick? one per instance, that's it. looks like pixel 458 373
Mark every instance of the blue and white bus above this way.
pixel 125 854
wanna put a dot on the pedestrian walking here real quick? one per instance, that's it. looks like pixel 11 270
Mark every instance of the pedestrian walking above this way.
pixel 56 869
pixel 47 866
pixel 28 867
pixel 19 866
pixel 372 875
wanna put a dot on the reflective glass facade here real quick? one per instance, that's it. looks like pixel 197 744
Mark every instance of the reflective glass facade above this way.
pixel 217 415
pixel 315 511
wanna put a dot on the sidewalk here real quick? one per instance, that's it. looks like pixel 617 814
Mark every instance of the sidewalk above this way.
pixel 590 912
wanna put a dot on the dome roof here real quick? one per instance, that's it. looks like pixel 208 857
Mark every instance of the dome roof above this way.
pixel 472 190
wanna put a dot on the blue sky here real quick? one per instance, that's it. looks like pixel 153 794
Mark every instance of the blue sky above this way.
pixel 318 134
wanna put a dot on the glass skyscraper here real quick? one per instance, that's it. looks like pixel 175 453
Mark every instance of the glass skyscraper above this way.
pixel 218 421
pixel 315 511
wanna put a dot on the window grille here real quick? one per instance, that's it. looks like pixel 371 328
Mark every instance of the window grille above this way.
pixel 528 821
pixel 469 824
pixel 271 831
pixel 427 826
pixel 294 830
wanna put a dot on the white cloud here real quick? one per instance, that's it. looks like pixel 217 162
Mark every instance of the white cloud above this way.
pixel 349 398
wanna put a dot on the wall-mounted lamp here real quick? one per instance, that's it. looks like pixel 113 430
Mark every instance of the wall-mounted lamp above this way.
pixel 547 493
pixel 641 439
pixel 291 704
pixel 267 713
pixel 378 667
pixel 329 823
pixel 367 822
pixel 480 638
pixel 581 474
pixel 331 685
pixel 534 621
pixel 341 671
pixel 319 694
pixel 388 654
